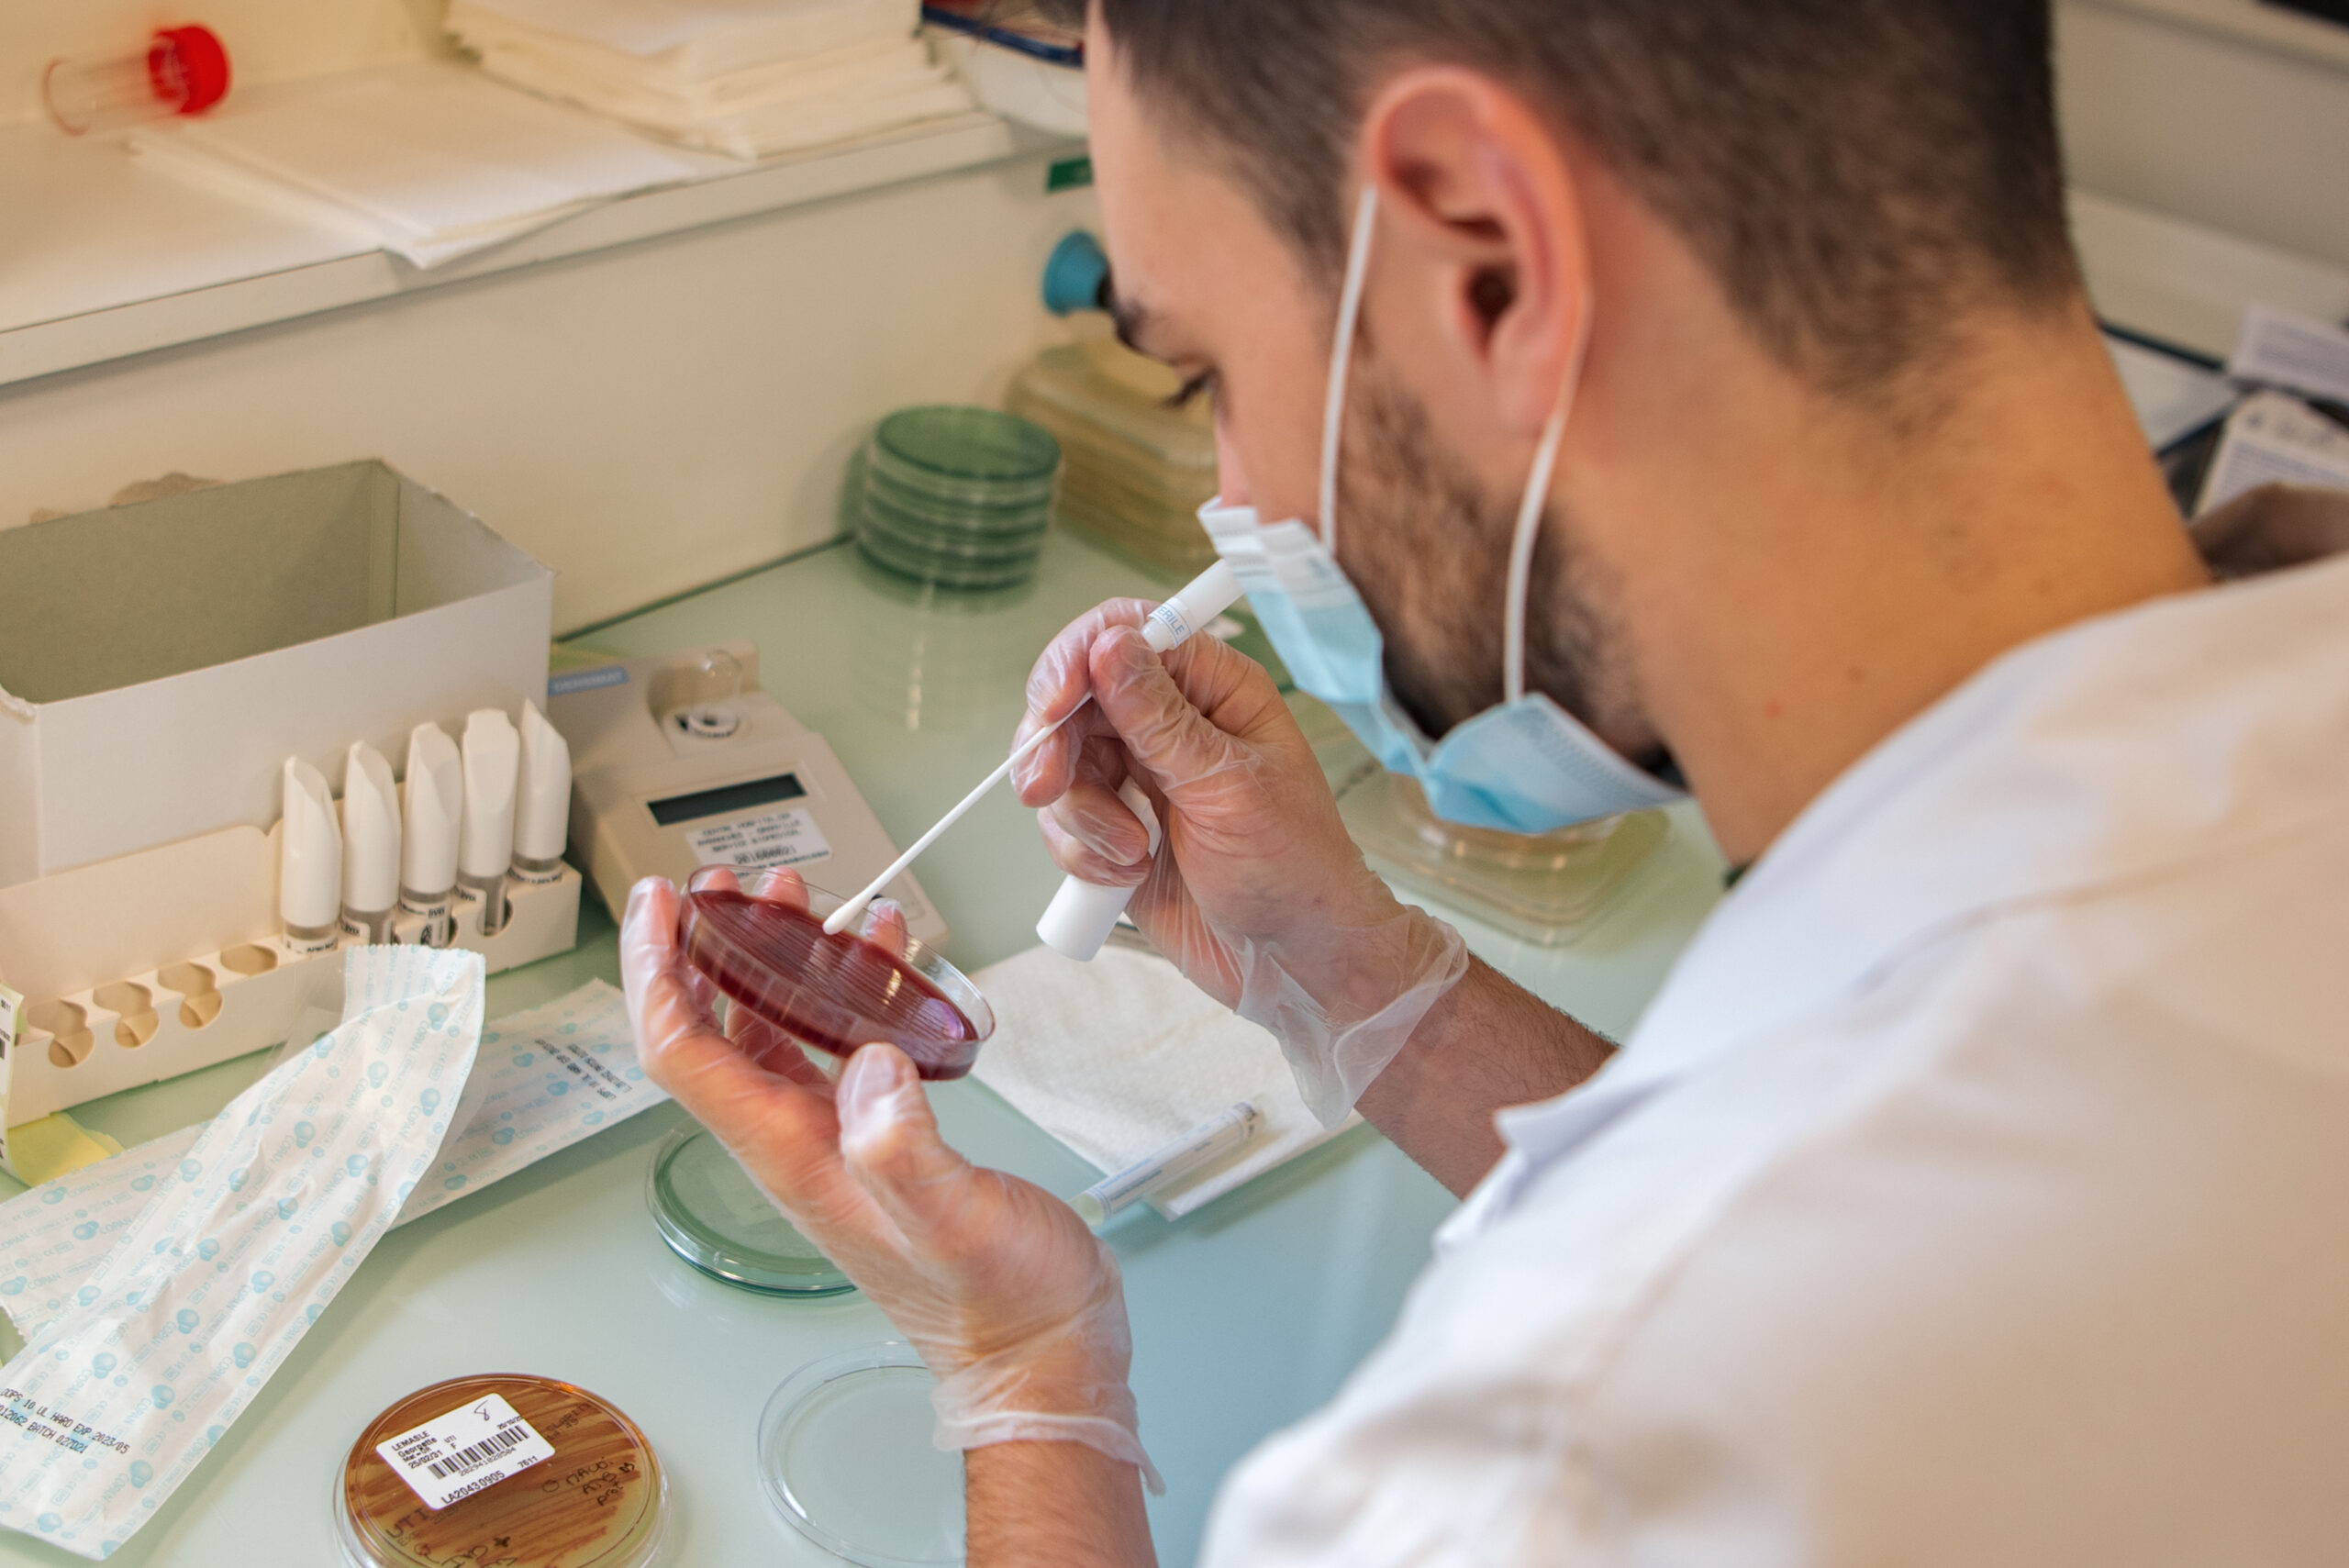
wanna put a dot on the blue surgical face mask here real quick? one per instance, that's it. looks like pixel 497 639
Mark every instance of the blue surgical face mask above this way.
pixel 1526 766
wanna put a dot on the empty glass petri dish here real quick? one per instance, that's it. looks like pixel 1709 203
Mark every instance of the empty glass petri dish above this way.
pixel 834 993
pixel 967 454
pixel 958 497
pixel 714 1216
pixel 597 1500
pixel 1005 567
pixel 845 1457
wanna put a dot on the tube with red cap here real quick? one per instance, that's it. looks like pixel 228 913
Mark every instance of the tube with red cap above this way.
pixel 182 71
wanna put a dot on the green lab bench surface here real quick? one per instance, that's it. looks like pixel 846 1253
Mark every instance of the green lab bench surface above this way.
pixel 1246 1315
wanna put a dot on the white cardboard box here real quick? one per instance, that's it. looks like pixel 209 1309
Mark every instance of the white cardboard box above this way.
pixel 160 662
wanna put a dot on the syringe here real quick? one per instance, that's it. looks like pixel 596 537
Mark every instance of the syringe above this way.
pixel 1169 626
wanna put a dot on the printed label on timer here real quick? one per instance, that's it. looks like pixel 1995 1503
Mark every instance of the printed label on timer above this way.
pixel 777 839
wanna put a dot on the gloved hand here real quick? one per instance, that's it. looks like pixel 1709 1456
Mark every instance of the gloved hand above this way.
pixel 1256 891
pixel 2271 528
pixel 1012 1301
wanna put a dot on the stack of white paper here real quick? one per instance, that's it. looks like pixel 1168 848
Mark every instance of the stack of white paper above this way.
pixel 2280 349
pixel 748 77
pixel 2277 439
pixel 431 161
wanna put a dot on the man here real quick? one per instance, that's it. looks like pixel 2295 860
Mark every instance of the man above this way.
pixel 1721 389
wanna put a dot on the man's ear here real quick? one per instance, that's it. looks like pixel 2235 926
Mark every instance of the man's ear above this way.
pixel 1477 189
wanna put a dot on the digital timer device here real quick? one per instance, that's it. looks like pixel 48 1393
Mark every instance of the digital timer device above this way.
pixel 680 761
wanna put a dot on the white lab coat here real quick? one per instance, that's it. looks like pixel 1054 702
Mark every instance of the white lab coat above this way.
pixel 1975 1193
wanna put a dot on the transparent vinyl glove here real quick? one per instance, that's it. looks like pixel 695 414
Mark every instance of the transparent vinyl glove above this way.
pixel 1255 891
pixel 1014 1304
pixel 2271 528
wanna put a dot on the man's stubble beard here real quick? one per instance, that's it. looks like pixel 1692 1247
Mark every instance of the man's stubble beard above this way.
pixel 1428 551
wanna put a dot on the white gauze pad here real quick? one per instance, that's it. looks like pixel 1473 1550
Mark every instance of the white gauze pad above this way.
pixel 544 1080
pixel 242 1246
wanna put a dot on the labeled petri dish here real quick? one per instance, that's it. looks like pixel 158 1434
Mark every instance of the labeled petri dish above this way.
pixel 834 992
pixel 845 1457
pixel 714 1216
pixel 526 1473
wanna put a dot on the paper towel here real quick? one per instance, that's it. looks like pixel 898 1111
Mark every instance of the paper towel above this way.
pixel 1123 1055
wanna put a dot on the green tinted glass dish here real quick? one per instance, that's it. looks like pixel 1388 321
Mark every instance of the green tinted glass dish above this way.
pixel 922 494
pixel 961 497
pixel 917 525
pixel 712 1215
pixel 956 447
pixel 949 570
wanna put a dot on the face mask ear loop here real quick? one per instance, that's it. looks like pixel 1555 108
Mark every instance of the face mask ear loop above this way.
pixel 1528 523
pixel 1333 413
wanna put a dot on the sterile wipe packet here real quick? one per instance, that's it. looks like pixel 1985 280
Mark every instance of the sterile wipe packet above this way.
pixel 242 1245
pixel 544 1080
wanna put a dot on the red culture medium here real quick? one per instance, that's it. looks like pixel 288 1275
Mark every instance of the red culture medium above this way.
pixel 835 993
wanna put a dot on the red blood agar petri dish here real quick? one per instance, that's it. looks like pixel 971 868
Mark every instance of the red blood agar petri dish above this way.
pixel 833 992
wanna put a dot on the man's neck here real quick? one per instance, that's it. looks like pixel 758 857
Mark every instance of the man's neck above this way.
pixel 1832 577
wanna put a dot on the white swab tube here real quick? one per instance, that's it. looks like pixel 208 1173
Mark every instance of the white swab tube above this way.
pixel 1081 914
pixel 493 760
pixel 309 865
pixel 542 810
pixel 433 804
pixel 371 844
pixel 1169 626
pixel 1162 1167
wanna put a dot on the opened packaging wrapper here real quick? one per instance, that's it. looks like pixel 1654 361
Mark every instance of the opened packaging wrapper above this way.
pixel 163 1286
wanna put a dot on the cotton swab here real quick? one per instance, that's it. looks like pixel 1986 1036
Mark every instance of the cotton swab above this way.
pixel 1169 626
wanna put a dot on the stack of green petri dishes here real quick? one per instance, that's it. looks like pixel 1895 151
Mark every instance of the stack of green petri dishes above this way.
pixel 958 497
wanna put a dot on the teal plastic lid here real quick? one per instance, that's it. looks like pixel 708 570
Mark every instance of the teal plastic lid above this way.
pixel 715 1217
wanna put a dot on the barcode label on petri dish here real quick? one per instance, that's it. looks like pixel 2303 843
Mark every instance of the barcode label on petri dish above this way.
pixel 459 1454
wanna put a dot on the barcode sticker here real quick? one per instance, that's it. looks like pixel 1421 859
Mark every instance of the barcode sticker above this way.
pixel 459 1454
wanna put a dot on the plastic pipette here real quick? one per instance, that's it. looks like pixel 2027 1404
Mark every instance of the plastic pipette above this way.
pixel 1162 1167
pixel 1205 597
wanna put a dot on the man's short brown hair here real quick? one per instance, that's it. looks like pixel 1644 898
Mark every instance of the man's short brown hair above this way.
pixel 1857 173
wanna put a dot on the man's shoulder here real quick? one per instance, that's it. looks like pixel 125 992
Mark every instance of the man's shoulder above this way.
pixel 2044 1048
pixel 2061 1192
pixel 2027 1248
